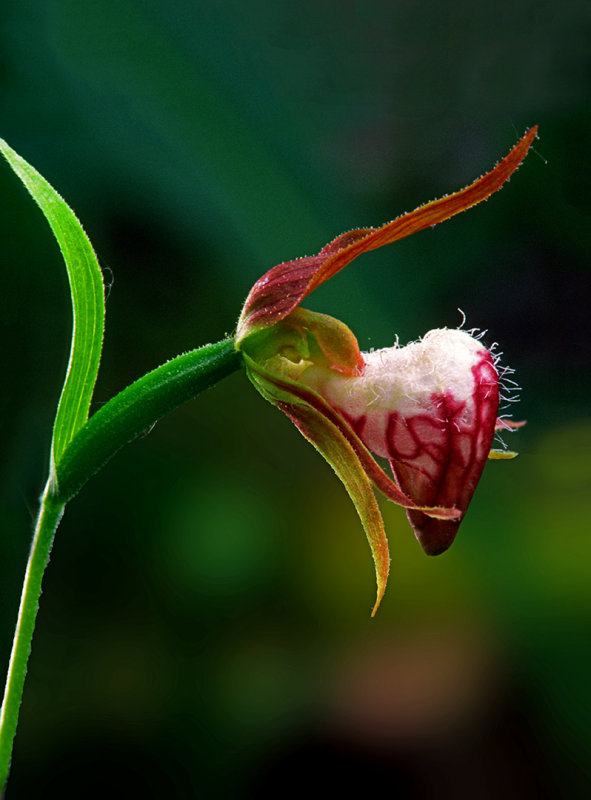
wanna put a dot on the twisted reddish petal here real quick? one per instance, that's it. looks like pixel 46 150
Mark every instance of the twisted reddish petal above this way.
pixel 283 287
pixel 330 443
pixel 328 439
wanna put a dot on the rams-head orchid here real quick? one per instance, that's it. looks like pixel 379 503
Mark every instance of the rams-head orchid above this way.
pixel 430 408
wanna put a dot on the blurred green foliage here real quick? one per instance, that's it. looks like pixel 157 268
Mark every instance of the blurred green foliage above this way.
pixel 204 628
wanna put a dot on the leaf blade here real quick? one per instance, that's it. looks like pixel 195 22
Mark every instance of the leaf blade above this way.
pixel 88 303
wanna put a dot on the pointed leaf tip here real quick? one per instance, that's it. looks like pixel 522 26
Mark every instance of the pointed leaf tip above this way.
pixel 88 303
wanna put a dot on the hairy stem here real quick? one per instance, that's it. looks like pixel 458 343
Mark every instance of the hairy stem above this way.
pixel 50 513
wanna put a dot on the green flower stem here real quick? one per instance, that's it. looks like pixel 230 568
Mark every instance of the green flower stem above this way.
pixel 134 410
pixel 125 417
pixel 50 513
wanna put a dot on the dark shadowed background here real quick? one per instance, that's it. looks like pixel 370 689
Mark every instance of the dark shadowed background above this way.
pixel 204 628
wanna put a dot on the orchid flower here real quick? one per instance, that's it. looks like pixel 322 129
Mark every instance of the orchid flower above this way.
pixel 429 408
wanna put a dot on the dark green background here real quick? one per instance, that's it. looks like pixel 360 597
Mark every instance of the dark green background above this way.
pixel 204 628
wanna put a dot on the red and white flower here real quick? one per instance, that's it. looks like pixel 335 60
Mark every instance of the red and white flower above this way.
pixel 430 408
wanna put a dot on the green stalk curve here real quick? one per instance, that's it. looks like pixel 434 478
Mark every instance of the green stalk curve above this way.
pixel 135 409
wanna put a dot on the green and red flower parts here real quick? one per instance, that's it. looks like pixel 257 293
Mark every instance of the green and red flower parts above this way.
pixel 430 408
pixel 428 411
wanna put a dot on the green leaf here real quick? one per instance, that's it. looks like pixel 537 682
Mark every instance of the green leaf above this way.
pixel 88 304
pixel 138 407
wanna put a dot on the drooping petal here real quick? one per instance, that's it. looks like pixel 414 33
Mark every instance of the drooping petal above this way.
pixel 283 287
pixel 331 444
pixel 341 457
pixel 332 436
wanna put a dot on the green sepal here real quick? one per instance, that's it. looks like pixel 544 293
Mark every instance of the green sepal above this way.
pixel 333 446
